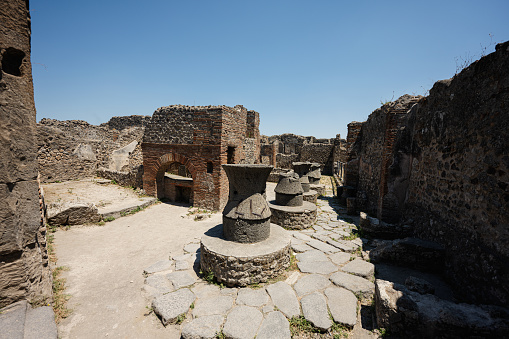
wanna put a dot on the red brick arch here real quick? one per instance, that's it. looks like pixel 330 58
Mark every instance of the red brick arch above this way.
pixel 161 164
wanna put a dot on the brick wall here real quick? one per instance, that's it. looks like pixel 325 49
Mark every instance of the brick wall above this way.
pixel 200 138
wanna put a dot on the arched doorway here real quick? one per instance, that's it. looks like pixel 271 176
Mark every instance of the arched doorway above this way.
pixel 174 179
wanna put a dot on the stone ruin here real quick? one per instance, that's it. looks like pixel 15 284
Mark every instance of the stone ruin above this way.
pixel 303 169
pixel 314 176
pixel 289 210
pixel 246 248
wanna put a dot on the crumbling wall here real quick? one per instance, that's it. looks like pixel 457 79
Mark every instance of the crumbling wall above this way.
pixel 292 148
pixel 375 154
pixel 24 266
pixel 458 193
pixel 74 149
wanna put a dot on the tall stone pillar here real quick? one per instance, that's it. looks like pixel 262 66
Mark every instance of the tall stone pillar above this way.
pixel 24 267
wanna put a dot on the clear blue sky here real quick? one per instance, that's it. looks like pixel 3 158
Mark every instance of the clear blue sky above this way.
pixel 308 67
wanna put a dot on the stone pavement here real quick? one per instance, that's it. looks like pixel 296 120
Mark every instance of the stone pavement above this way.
pixel 21 321
pixel 330 284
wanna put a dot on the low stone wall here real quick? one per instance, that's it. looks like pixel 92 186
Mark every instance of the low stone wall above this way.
pixel 133 178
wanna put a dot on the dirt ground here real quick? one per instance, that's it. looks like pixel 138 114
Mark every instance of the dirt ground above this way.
pixel 106 264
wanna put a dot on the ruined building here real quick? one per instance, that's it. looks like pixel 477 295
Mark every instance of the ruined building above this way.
pixel 184 147
pixel 282 150
pixel 440 166
pixel 24 266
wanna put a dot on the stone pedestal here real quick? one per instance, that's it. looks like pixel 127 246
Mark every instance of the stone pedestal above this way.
pixel 302 170
pixel 310 196
pixel 246 248
pixel 319 188
pixel 289 209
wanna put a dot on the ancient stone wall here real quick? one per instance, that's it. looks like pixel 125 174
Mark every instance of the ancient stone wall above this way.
pixel 120 123
pixel 441 166
pixel 458 192
pixel 74 149
pixel 352 148
pixel 24 266
pixel 292 148
pixel 376 152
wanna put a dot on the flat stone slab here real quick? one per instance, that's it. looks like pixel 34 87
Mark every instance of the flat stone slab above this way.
pixel 159 283
pixel 320 267
pixel 40 323
pixel 274 326
pixel 169 306
pixel 284 298
pixel 250 297
pixel 319 245
pixel 360 267
pixel 311 283
pixel 12 320
pixel 163 265
pixel 299 248
pixel 206 290
pixel 180 279
pixel 205 327
pixel 314 308
pixel 342 305
pixel 192 248
pixel 215 305
pixel 340 258
pixel 311 256
pixel 344 245
pixel 358 285
pixel 301 236
pixel 242 322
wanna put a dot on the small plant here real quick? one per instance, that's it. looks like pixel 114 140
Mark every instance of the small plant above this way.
pixel 114 182
pixel 352 236
pixel 220 335
pixel 110 218
pixel 293 262
pixel 101 223
pixel 301 324
pixel 59 297
pixel 208 277
pixel 149 311
pixel 181 318
pixel 192 306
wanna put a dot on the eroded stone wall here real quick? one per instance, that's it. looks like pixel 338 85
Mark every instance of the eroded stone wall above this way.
pixel 24 266
pixel 74 149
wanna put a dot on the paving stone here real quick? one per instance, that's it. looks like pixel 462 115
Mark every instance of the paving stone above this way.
pixel 159 266
pixel 284 298
pixel 319 267
pixel 360 267
pixel 186 256
pixel 320 236
pixel 358 285
pixel 192 248
pixel 182 265
pixel 205 290
pixel 299 248
pixel 342 305
pixel 251 297
pixel 274 326
pixel 314 308
pixel 242 323
pixel 341 232
pixel 12 320
pixel 301 236
pixel 180 279
pixel 340 258
pixel 312 255
pixel 214 305
pixel 229 291
pixel 311 283
pixel 296 241
pixel 322 246
pixel 40 323
pixel 318 228
pixel 292 279
pixel 205 327
pixel 267 308
pixel 159 283
pixel 170 306
pixel 344 245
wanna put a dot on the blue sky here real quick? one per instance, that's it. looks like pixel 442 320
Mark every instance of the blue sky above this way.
pixel 308 67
